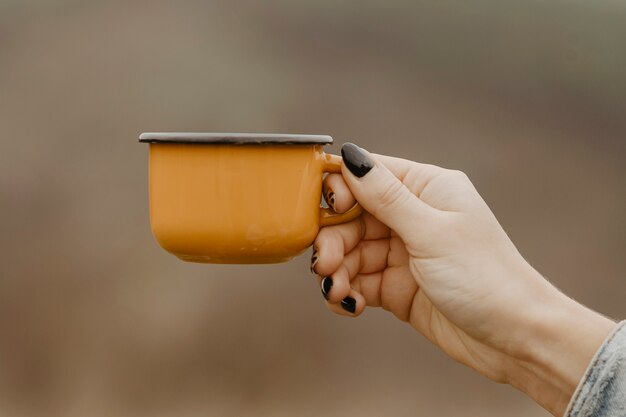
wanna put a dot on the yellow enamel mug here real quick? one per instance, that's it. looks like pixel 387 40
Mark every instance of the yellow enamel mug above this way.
pixel 238 197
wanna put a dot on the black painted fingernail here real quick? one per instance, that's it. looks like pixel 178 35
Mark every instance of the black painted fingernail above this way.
pixel 356 160
pixel 331 200
pixel 349 304
pixel 327 284
pixel 314 258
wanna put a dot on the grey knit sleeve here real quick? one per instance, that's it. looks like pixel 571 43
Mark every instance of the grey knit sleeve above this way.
pixel 602 390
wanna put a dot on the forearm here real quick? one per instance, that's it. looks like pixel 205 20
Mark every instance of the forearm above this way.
pixel 560 339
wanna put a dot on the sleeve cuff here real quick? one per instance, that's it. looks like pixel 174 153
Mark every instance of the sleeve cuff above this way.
pixel 602 390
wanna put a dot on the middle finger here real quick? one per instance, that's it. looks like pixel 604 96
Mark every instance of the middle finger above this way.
pixel 333 242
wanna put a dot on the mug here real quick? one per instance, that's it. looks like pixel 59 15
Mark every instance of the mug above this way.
pixel 238 197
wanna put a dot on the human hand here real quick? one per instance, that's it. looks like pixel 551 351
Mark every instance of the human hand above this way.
pixel 429 250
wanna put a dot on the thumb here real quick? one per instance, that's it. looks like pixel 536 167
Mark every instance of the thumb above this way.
pixel 382 194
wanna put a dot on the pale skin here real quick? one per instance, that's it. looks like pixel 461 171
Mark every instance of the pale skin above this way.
pixel 429 250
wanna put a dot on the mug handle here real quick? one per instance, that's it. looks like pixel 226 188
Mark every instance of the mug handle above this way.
pixel 328 217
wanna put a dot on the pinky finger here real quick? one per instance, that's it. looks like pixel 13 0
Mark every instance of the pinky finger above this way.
pixel 352 305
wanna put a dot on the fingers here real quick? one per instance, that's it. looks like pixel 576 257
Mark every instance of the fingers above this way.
pixel 414 175
pixel 352 305
pixel 368 285
pixel 382 193
pixel 393 289
pixel 350 258
pixel 337 194
pixel 354 285
pixel 397 289
pixel 333 242
pixel 368 257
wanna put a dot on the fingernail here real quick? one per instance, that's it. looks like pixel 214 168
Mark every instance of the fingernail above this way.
pixel 314 258
pixel 331 200
pixel 327 284
pixel 349 304
pixel 356 160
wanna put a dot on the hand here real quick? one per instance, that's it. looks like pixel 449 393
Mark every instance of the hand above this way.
pixel 429 250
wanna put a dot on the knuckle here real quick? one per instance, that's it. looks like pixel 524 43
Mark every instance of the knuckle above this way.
pixel 457 174
pixel 392 196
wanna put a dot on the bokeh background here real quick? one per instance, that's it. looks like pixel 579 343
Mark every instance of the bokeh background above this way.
pixel 527 97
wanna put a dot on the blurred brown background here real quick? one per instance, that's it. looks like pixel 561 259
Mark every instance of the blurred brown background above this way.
pixel 529 98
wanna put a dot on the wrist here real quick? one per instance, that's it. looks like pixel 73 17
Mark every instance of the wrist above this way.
pixel 559 337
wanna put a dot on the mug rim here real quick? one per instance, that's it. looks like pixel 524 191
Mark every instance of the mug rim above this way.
pixel 210 138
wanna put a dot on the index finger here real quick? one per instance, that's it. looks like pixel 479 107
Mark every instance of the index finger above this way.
pixel 337 193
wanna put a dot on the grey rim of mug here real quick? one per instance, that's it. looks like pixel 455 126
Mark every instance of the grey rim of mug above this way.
pixel 235 138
